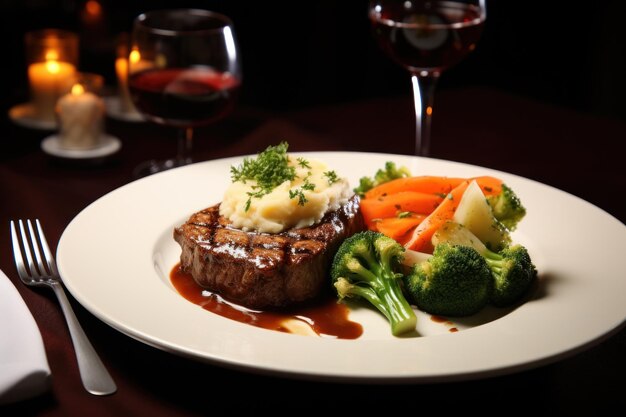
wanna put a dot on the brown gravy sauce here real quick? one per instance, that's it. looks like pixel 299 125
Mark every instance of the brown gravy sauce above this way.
pixel 448 323
pixel 326 317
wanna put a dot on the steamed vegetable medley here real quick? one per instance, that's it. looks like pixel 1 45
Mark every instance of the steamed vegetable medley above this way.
pixel 442 244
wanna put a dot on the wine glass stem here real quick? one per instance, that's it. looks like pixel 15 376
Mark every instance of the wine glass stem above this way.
pixel 185 143
pixel 423 93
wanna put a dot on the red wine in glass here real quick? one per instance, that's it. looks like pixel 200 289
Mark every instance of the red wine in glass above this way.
pixel 184 96
pixel 184 72
pixel 426 37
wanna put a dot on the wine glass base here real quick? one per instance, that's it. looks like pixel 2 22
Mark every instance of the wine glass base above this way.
pixel 154 166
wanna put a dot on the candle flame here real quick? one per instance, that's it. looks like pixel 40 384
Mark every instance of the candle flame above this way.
pixel 52 64
pixel 77 89
pixel 134 56
pixel 53 67
pixel 93 7
pixel 52 55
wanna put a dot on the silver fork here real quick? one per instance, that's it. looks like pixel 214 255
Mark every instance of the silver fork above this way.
pixel 95 377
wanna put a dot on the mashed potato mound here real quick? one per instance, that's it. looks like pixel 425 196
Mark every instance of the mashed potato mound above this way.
pixel 278 210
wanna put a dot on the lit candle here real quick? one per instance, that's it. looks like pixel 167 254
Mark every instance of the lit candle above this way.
pixel 81 117
pixel 121 69
pixel 92 12
pixel 49 80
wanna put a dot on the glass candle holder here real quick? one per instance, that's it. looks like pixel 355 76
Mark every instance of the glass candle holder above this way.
pixel 51 58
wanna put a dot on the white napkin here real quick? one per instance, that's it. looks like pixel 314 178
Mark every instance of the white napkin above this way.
pixel 24 370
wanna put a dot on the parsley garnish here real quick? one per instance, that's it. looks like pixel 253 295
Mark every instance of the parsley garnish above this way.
pixel 331 176
pixel 304 163
pixel 269 169
pixel 299 192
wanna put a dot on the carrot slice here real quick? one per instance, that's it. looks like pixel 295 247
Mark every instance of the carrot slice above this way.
pixel 425 184
pixel 420 239
pixel 430 184
pixel 489 185
pixel 399 228
pixel 392 204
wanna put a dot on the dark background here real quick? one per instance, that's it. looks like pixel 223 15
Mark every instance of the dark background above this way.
pixel 307 53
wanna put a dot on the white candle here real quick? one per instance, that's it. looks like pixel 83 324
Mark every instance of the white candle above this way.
pixel 81 117
pixel 49 80
pixel 121 69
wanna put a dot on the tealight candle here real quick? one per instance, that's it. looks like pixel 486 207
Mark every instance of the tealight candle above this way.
pixel 80 116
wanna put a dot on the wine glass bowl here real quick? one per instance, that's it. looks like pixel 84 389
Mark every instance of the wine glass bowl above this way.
pixel 184 72
pixel 426 37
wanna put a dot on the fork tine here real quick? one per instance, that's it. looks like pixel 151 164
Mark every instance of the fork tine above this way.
pixel 27 251
pixel 17 253
pixel 35 245
pixel 52 266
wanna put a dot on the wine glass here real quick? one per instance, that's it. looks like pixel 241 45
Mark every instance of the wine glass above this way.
pixel 183 71
pixel 426 37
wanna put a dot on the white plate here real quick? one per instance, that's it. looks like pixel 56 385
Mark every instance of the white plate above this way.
pixel 115 257
pixel 108 146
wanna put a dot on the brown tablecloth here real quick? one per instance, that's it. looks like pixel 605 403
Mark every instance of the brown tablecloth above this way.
pixel 578 153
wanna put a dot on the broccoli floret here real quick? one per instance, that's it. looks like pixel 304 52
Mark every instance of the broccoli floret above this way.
pixel 365 184
pixel 367 266
pixel 507 207
pixel 511 268
pixel 455 281
pixel 390 172
pixel 513 273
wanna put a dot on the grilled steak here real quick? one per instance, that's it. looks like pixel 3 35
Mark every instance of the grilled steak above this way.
pixel 259 270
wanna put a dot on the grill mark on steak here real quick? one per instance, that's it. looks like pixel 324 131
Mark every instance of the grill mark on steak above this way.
pixel 260 270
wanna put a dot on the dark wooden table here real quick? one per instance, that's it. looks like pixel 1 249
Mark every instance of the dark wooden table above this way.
pixel 578 153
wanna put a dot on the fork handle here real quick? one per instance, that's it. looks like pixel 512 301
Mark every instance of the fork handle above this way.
pixel 96 379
